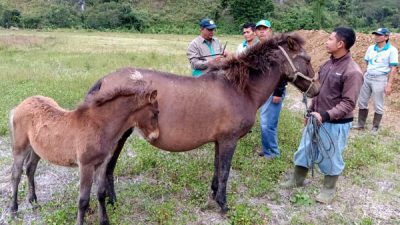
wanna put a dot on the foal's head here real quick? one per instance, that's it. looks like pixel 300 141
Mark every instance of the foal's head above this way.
pixel 135 101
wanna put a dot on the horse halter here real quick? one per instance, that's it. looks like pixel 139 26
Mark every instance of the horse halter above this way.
pixel 296 73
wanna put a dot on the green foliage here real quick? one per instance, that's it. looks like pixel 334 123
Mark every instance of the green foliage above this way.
pixel 248 214
pixel 112 15
pixel 182 17
pixel 60 16
pixel 301 199
pixel 10 18
pixel 250 11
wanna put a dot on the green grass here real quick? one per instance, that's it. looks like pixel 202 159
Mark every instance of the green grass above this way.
pixel 153 186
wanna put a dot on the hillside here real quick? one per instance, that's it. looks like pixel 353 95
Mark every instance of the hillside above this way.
pixel 177 16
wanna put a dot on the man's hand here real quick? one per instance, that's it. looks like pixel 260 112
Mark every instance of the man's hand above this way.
pixel 276 99
pixel 317 116
pixel 388 89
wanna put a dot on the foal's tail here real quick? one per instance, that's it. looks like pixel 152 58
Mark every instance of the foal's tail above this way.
pixel 11 127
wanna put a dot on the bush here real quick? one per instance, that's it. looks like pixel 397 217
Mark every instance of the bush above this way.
pixel 62 16
pixel 111 15
pixel 32 21
pixel 10 18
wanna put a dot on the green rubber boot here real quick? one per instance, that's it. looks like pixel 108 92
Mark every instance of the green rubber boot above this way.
pixel 362 117
pixel 375 123
pixel 328 190
pixel 297 179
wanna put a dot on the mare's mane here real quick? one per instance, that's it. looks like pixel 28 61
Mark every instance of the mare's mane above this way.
pixel 260 57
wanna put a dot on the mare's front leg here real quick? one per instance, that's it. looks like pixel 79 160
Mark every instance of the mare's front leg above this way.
pixel 214 183
pixel 226 151
pixel 86 180
pixel 110 189
pixel 30 172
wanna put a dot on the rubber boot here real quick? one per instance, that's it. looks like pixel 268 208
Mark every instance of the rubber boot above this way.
pixel 328 190
pixel 297 179
pixel 375 123
pixel 362 117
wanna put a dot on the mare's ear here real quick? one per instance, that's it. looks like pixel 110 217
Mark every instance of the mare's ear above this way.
pixel 152 96
pixel 292 44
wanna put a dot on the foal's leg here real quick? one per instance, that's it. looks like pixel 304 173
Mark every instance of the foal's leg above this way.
pixel 19 154
pixel 101 193
pixel 30 172
pixel 214 183
pixel 86 180
pixel 111 166
pixel 226 150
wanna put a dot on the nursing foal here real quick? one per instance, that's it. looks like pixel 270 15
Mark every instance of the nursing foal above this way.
pixel 84 137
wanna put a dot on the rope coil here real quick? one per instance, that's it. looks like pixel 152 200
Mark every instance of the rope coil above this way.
pixel 318 150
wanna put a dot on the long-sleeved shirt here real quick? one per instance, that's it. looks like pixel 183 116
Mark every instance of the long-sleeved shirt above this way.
pixel 201 47
pixel 341 80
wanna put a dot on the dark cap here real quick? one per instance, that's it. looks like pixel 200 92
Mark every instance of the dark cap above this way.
pixel 207 23
pixel 382 31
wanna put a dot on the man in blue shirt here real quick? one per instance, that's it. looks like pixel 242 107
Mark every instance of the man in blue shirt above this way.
pixel 382 62
pixel 270 111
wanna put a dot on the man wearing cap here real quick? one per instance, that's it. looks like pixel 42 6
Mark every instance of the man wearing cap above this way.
pixel 204 49
pixel 270 110
pixel 250 38
pixel 263 30
pixel 382 62
pixel 331 116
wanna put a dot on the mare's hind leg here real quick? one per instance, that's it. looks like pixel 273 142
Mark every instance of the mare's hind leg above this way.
pixel 226 151
pixel 111 166
pixel 214 183
pixel 30 172
pixel 19 154
pixel 85 184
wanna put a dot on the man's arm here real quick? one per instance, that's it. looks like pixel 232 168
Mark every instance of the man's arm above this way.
pixel 278 92
pixel 393 63
pixel 351 89
pixel 391 75
pixel 193 55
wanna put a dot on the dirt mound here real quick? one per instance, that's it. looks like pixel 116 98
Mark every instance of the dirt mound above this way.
pixel 315 46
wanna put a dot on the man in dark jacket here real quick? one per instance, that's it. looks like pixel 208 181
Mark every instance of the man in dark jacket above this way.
pixel 332 114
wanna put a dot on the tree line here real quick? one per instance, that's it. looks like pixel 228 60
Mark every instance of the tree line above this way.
pixel 182 16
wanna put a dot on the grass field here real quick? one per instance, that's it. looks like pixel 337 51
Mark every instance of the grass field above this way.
pixel 157 187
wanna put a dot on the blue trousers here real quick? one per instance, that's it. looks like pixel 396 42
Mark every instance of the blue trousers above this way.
pixel 269 116
pixel 329 162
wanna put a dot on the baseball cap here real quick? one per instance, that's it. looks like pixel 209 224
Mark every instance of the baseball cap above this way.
pixel 264 23
pixel 382 31
pixel 207 23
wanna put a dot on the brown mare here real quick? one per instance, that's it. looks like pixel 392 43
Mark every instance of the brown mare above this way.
pixel 85 137
pixel 221 105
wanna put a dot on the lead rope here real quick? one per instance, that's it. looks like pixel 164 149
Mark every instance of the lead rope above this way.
pixel 318 150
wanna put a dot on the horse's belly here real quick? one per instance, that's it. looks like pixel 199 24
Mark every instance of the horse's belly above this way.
pixel 178 143
pixel 55 153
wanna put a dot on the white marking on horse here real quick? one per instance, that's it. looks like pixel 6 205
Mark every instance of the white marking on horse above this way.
pixel 136 75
